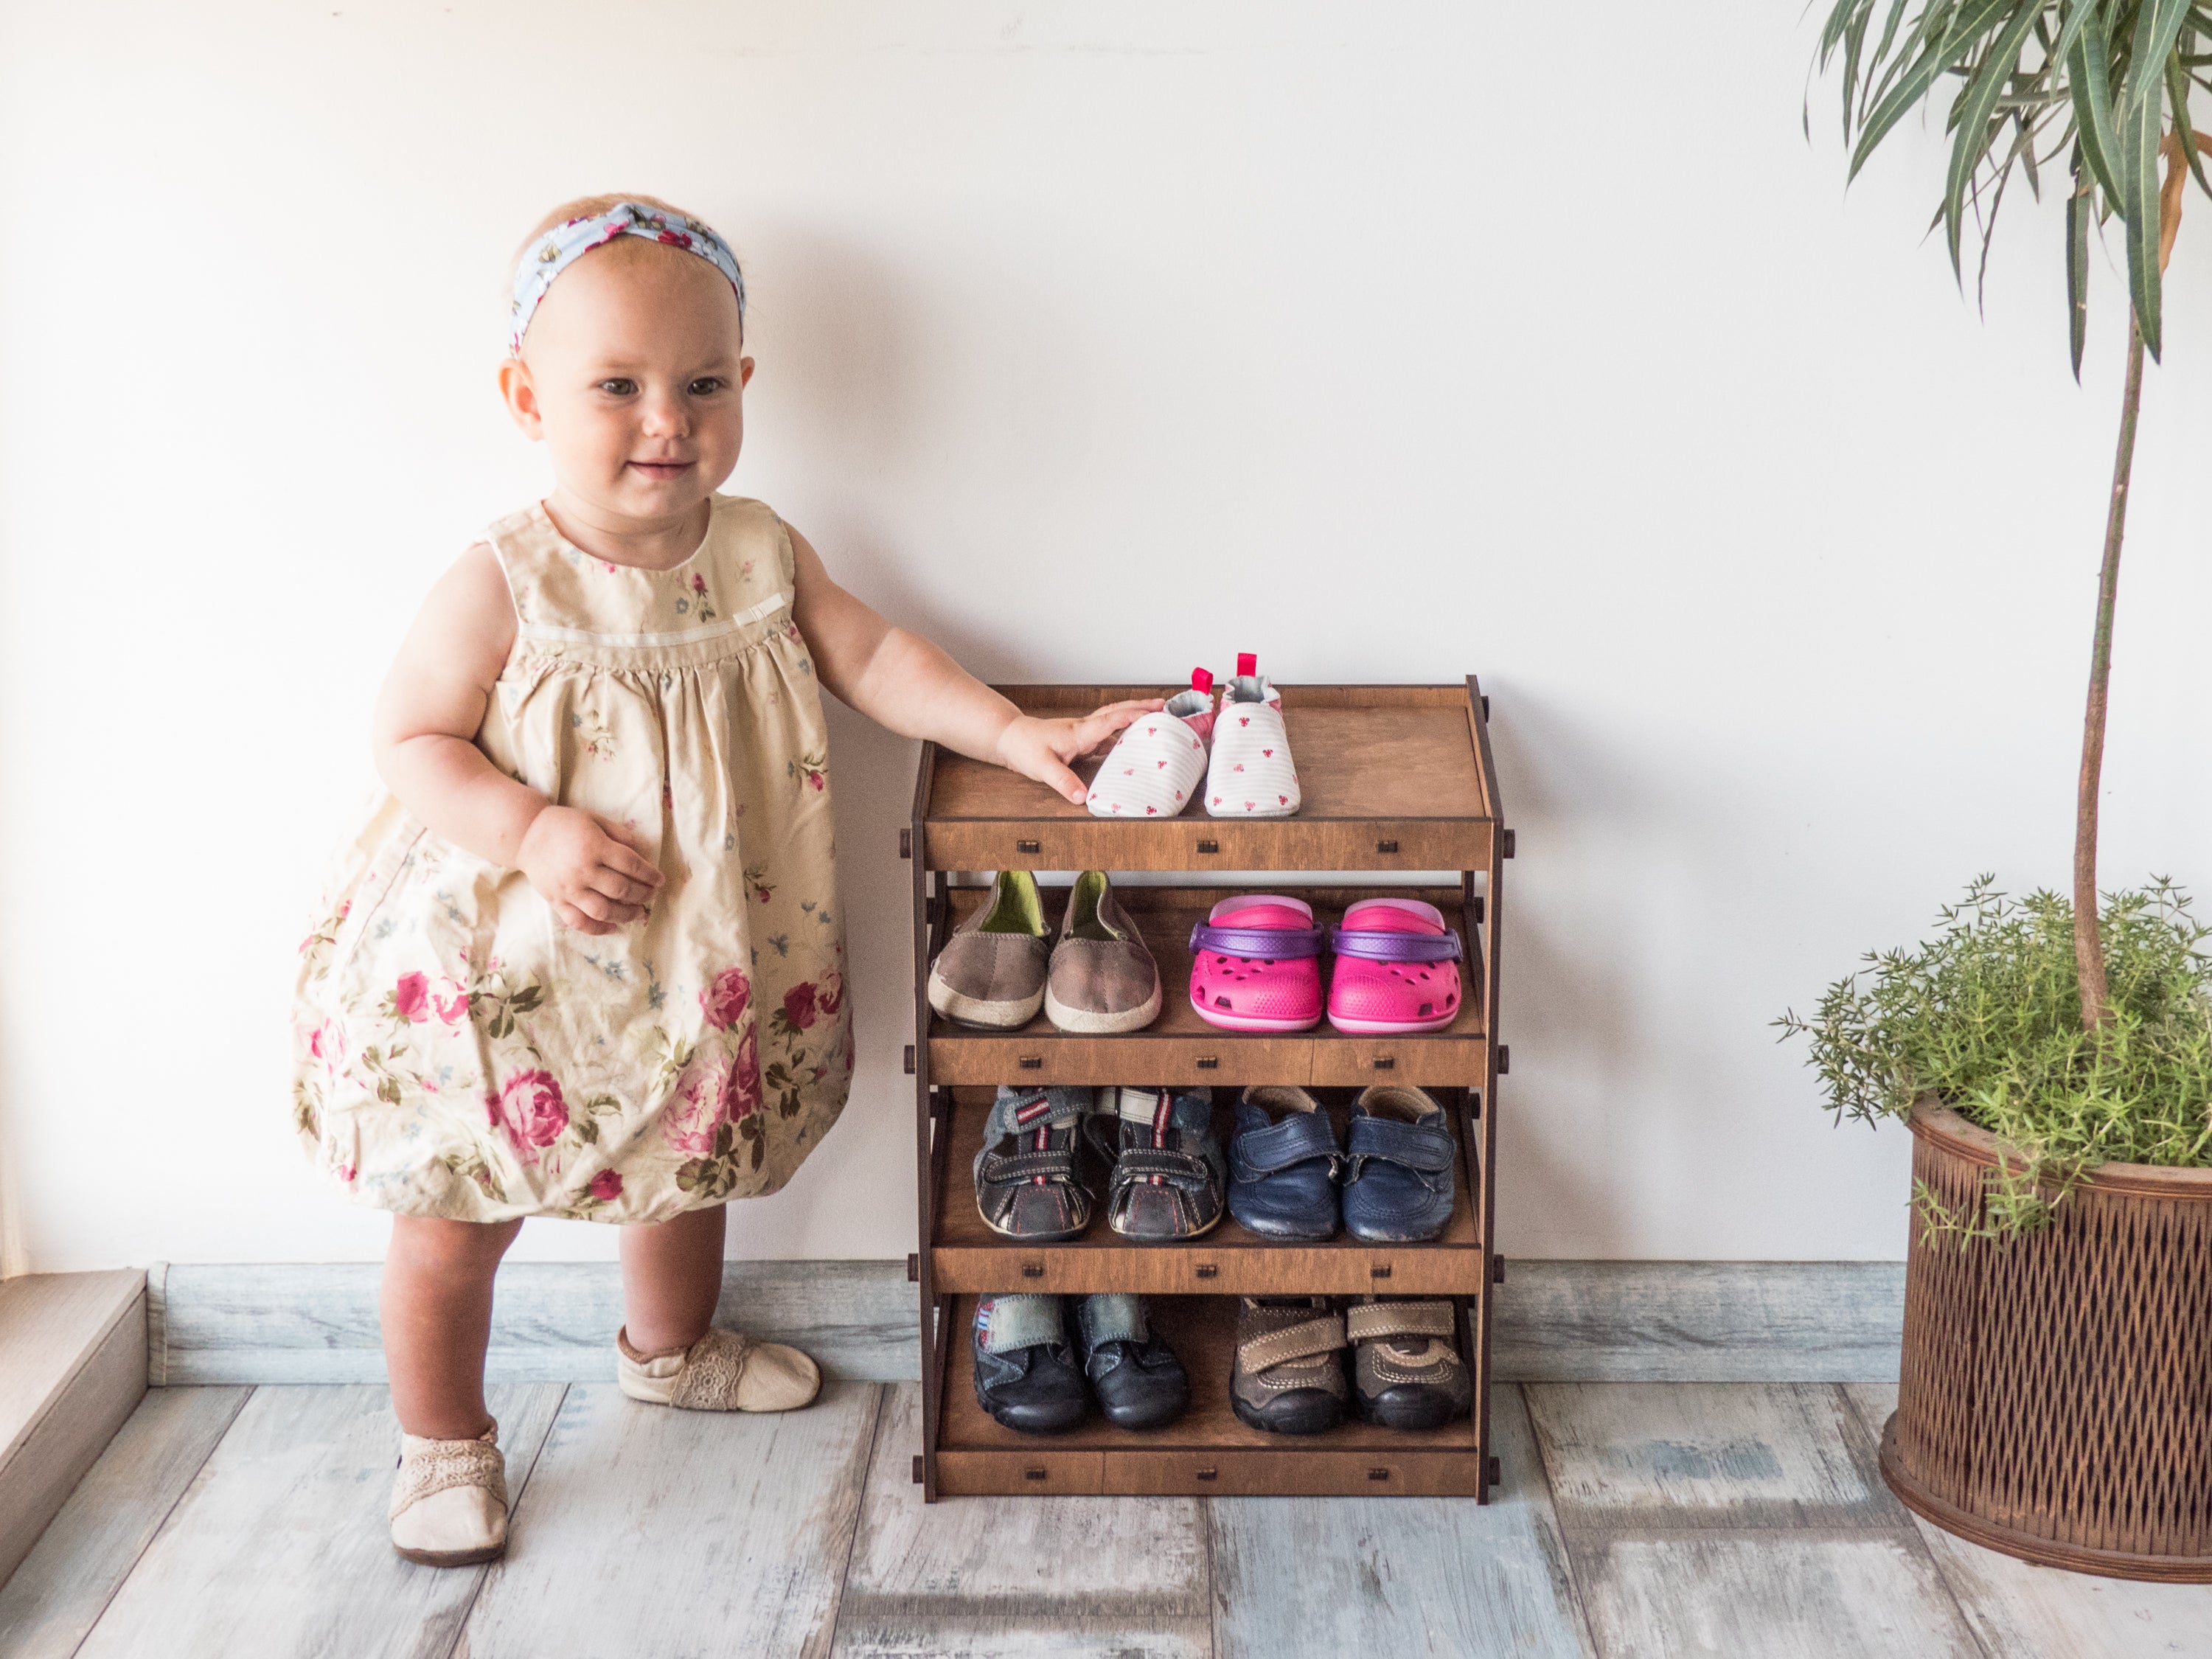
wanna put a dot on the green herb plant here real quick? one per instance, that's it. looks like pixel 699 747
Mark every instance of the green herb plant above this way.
pixel 2101 88
pixel 1986 1015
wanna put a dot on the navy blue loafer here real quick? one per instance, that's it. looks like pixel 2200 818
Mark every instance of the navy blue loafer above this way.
pixel 1025 1371
pixel 1398 1182
pixel 1282 1174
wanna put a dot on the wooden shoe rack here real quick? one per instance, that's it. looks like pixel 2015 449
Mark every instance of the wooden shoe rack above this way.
pixel 1396 778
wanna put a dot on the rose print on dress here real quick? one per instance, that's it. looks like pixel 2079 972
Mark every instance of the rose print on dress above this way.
pixel 530 1110
pixel 799 1007
pixel 702 607
pixel 410 998
pixel 801 1066
pixel 811 769
pixel 715 1115
pixel 601 1190
pixel 725 1001
pixel 757 886
pixel 694 1112
pixel 741 1097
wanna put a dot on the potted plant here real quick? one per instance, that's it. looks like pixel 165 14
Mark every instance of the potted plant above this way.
pixel 2053 1057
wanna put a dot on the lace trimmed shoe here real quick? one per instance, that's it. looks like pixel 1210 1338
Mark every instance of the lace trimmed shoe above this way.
pixel 722 1371
pixel 449 1500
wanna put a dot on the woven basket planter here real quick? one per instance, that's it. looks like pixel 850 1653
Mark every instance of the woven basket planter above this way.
pixel 2054 1401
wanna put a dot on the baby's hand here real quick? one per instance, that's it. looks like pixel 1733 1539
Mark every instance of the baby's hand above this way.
pixel 587 869
pixel 1041 749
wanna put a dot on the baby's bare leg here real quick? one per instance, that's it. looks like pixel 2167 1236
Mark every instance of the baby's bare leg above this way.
pixel 672 1275
pixel 436 1311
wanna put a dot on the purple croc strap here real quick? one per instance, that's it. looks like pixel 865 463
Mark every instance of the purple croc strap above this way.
pixel 1271 944
pixel 1376 945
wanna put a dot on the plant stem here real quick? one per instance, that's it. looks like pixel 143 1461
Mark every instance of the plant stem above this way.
pixel 2089 945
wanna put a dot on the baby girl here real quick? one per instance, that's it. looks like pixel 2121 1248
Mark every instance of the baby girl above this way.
pixel 585 957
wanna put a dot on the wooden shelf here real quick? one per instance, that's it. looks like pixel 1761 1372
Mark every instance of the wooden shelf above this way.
pixel 1397 780
pixel 1179 1047
pixel 1388 775
pixel 968 1256
pixel 1206 1452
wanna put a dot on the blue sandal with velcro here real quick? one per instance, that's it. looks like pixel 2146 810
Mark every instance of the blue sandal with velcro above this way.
pixel 1282 1172
pixel 1398 1176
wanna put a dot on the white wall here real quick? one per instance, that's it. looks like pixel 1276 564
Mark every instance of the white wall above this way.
pixel 1391 340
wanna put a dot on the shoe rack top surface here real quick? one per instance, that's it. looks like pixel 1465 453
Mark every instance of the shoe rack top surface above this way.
pixel 1202 1331
pixel 1392 777
pixel 1226 1260
pixel 1179 1049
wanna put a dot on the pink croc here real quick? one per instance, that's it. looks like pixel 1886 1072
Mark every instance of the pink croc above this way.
pixel 1255 965
pixel 1397 968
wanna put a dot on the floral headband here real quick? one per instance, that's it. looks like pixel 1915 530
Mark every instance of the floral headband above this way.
pixel 561 246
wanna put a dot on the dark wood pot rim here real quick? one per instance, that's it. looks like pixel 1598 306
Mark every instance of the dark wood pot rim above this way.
pixel 1936 1123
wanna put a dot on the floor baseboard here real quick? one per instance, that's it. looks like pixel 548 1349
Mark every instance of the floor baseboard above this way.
pixel 1598 1322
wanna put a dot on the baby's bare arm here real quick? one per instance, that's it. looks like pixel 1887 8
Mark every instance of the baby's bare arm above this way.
pixel 427 715
pixel 900 680
pixel 433 705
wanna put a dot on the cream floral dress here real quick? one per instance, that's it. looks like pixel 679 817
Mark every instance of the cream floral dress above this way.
pixel 460 1055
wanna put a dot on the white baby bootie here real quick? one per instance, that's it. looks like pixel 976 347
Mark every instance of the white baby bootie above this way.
pixel 722 1371
pixel 1249 773
pixel 1159 761
pixel 449 1500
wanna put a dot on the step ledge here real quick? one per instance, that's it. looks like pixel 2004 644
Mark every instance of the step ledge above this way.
pixel 73 1367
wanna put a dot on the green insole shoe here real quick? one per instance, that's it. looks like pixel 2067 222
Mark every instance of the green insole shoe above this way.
pixel 992 971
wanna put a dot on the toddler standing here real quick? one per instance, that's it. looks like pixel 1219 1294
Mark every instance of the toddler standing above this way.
pixel 585 957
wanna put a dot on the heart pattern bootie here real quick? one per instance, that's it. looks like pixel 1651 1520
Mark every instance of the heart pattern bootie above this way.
pixel 1159 761
pixel 1249 773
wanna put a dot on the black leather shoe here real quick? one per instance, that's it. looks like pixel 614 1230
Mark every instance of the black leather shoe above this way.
pixel 1139 1382
pixel 1025 1371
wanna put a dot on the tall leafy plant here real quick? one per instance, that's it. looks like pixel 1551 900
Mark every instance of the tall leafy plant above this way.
pixel 2102 87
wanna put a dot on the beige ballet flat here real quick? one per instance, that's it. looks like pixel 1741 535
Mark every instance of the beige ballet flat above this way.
pixel 722 1371
pixel 449 1500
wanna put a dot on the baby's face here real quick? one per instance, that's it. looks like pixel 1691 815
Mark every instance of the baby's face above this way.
pixel 632 372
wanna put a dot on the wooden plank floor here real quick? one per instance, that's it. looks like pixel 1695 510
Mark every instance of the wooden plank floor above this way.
pixel 1738 1520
